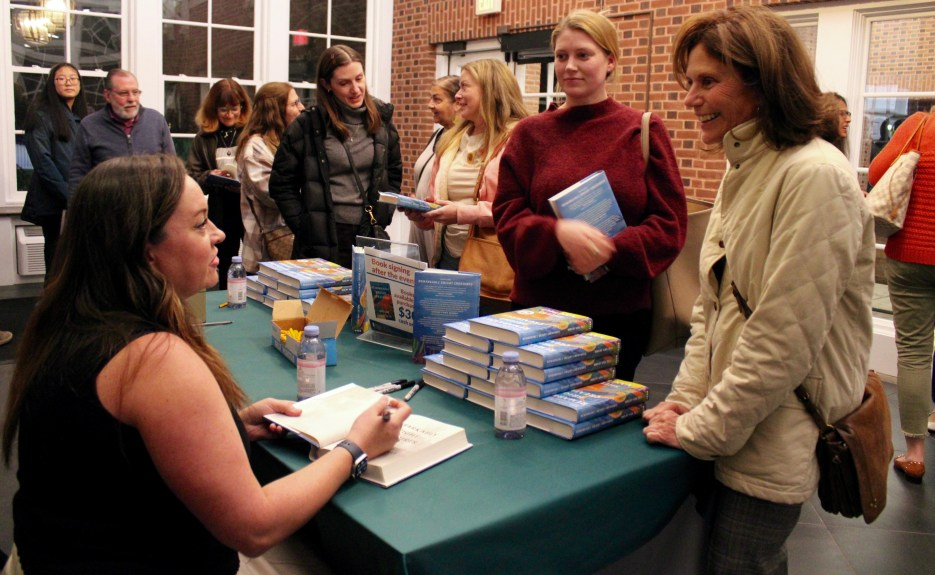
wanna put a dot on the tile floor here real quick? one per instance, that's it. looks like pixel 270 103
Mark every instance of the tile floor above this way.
pixel 900 542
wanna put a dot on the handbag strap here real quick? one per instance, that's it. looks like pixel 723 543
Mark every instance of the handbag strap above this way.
pixel 800 391
pixel 918 145
pixel 360 187
pixel 644 134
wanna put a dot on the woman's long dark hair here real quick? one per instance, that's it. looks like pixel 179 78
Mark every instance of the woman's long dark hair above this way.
pixel 103 288
pixel 48 101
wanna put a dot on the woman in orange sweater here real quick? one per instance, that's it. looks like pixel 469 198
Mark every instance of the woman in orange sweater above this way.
pixel 910 274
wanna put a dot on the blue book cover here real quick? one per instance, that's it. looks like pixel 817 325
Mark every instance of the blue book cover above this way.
pixel 464 366
pixel 562 371
pixel 534 389
pixel 468 353
pixel 308 273
pixel 407 202
pixel 552 352
pixel 460 332
pixel 359 321
pixel 440 297
pixel 435 364
pixel 560 427
pixel 530 325
pixel 590 200
pixel 569 430
pixel 591 401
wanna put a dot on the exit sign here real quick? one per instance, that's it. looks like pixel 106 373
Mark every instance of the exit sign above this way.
pixel 488 7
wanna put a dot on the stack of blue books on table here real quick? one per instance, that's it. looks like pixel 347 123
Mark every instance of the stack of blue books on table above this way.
pixel 571 390
pixel 298 279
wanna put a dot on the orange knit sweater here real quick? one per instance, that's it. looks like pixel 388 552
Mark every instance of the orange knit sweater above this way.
pixel 915 243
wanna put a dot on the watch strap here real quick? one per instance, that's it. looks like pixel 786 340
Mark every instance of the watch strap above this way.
pixel 357 455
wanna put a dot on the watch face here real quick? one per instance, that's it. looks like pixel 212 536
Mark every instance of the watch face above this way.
pixel 360 466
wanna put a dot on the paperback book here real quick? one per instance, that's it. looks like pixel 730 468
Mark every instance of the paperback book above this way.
pixel 460 332
pixel 590 401
pixel 407 202
pixel 464 365
pixel 531 325
pixel 552 352
pixel 441 296
pixel 306 274
pixel 535 389
pixel 562 371
pixel 590 200
pixel 468 353
pixel 435 364
pixel 327 418
pixel 449 386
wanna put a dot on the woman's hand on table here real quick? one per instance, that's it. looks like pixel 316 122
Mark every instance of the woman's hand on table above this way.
pixel 586 248
pixel 375 434
pixel 257 427
pixel 661 419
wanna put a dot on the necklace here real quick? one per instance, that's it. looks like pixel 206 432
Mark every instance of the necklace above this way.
pixel 227 138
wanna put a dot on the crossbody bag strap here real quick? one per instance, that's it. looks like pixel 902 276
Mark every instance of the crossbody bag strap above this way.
pixel 480 179
pixel 368 209
pixel 800 391
pixel 433 141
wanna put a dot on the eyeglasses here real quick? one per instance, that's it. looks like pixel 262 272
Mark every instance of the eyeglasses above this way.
pixel 229 110
pixel 66 79
pixel 126 93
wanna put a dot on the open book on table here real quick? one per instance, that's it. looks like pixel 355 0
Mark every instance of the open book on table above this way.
pixel 327 418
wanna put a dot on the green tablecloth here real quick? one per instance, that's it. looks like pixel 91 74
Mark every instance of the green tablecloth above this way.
pixel 538 505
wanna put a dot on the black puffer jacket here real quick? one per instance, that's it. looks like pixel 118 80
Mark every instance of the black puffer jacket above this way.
pixel 300 186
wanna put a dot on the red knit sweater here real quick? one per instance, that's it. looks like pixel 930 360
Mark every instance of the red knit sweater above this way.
pixel 915 243
pixel 549 152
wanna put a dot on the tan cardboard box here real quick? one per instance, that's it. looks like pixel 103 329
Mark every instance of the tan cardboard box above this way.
pixel 329 312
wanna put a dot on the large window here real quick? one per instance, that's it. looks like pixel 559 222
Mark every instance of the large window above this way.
pixel 44 33
pixel 203 41
pixel 314 26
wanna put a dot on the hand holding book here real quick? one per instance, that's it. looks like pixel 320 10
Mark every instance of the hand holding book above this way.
pixel 586 248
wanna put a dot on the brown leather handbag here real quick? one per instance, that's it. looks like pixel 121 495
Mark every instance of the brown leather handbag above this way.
pixel 483 254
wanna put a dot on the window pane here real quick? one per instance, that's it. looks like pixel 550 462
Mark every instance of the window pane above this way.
pixel 361 47
pixel 184 50
pixel 95 42
pixel 25 88
pixel 187 10
pixel 232 12
pixel 103 6
pixel 23 165
pixel 182 102
pixel 881 117
pixel 303 57
pixel 231 54
pixel 31 41
pixel 349 18
pixel 809 37
pixel 308 16
pixel 899 60
pixel 93 88
pixel 307 95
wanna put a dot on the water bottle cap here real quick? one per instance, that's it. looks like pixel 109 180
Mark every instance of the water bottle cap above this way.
pixel 311 330
pixel 510 357
pixel 237 260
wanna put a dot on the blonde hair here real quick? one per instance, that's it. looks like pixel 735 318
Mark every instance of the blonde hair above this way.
pixel 597 27
pixel 501 107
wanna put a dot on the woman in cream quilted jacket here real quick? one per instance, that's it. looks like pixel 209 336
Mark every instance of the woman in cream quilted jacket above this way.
pixel 789 228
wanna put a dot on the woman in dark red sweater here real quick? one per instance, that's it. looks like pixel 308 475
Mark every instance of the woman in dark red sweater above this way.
pixel 553 150
pixel 910 271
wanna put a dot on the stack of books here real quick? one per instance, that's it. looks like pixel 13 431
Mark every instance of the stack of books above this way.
pixel 570 385
pixel 298 279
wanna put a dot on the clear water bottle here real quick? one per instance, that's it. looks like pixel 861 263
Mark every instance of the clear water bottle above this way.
pixel 510 399
pixel 310 366
pixel 236 284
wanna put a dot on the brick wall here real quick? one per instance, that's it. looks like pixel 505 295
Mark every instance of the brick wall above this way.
pixel 646 32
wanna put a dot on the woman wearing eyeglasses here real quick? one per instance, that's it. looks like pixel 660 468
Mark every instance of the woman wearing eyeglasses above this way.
pixel 51 123
pixel 222 116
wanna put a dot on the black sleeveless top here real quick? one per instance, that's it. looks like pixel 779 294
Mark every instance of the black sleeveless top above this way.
pixel 90 499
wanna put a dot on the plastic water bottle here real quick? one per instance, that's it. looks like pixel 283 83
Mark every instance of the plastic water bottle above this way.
pixel 236 284
pixel 310 366
pixel 510 399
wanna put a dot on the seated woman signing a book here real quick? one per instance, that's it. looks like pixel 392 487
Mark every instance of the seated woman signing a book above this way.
pixel 551 151
pixel 467 160
pixel 131 434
